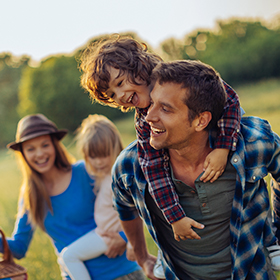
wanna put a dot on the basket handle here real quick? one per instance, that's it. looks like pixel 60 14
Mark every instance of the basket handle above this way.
pixel 7 252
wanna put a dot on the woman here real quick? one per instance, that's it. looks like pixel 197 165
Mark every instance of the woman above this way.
pixel 58 197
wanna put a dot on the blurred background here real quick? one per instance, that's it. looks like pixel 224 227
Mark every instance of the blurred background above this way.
pixel 41 42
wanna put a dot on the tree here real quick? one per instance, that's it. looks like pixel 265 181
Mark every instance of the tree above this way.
pixel 10 73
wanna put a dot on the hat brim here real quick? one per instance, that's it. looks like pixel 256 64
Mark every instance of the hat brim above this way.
pixel 16 145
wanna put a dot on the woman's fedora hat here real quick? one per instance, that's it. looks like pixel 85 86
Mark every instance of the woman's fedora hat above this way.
pixel 32 126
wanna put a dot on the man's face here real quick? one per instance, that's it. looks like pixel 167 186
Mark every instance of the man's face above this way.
pixel 168 117
pixel 125 93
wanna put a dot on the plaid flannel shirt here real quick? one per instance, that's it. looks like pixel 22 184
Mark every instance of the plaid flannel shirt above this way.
pixel 155 163
pixel 257 154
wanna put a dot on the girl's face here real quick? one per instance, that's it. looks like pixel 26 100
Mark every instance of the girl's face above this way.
pixel 100 165
pixel 125 93
pixel 40 153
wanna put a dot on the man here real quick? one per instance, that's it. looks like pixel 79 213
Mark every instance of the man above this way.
pixel 186 102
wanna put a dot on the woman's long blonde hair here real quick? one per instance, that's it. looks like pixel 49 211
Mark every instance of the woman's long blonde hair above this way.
pixel 33 192
pixel 98 137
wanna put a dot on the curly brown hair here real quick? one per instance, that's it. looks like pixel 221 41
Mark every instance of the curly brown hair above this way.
pixel 121 52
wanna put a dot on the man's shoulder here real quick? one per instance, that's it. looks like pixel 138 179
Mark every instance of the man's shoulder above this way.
pixel 128 157
pixel 129 151
pixel 254 128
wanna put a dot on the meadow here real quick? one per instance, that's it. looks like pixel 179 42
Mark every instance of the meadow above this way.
pixel 260 99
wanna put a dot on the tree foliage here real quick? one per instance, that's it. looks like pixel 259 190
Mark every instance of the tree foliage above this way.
pixel 242 51
pixel 10 74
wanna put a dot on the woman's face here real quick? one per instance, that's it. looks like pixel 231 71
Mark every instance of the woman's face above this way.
pixel 40 153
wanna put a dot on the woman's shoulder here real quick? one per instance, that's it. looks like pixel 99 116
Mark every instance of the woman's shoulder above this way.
pixel 79 165
pixel 79 170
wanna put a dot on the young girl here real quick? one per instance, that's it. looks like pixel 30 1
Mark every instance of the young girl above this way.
pixel 57 196
pixel 99 141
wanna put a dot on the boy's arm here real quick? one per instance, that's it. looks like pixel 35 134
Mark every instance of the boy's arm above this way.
pixel 228 127
pixel 154 164
pixel 229 123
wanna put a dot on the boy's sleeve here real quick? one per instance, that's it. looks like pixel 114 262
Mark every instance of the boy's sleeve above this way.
pixel 229 123
pixel 154 164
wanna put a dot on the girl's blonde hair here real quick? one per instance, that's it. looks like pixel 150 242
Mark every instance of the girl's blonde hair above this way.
pixel 98 137
pixel 33 192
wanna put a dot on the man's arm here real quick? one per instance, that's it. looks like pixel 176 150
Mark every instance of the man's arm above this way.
pixel 135 234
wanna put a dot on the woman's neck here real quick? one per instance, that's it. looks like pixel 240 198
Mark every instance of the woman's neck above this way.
pixel 57 181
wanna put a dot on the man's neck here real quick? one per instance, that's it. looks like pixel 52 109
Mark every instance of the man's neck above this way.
pixel 188 163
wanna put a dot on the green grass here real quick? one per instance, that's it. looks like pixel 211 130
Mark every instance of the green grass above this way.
pixel 261 99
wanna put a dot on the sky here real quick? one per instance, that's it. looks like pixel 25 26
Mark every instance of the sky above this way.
pixel 40 28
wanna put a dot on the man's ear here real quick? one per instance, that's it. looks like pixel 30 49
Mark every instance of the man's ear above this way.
pixel 203 120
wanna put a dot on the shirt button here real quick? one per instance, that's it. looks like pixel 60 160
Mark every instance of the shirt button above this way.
pixel 254 177
pixel 203 204
pixel 235 160
pixel 237 130
pixel 234 144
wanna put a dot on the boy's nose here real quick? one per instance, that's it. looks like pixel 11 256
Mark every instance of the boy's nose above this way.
pixel 120 96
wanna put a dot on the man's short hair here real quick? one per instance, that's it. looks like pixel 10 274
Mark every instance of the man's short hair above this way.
pixel 204 88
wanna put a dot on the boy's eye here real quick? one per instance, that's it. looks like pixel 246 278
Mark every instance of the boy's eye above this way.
pixel 110 95
pixel 119 83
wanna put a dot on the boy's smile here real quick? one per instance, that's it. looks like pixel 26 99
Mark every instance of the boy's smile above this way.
pixel 125 93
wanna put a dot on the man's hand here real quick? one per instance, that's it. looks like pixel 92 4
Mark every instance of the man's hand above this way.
pixel 116 244
pixel 214 165
pixel 148 266
pixel 182 229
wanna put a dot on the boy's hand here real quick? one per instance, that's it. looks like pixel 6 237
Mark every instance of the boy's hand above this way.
pixel 214 165
pixel 182 229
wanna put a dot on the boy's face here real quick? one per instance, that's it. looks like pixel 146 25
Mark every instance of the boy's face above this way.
pixel 125 93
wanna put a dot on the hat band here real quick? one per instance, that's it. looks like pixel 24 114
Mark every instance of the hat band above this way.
pixel 37 129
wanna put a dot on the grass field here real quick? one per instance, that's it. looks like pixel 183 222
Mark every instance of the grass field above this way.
pixel 261 99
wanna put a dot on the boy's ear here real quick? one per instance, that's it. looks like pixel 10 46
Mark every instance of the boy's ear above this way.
pixel 203 120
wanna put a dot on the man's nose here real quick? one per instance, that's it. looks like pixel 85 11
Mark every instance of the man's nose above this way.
pixel 150 114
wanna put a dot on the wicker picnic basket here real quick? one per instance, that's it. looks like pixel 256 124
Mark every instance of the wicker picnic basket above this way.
pixel 8 268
